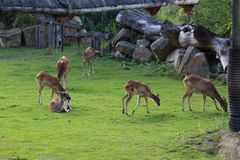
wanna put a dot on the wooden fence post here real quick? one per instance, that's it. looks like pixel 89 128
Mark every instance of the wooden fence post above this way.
pixel 62 36
pixel 50 34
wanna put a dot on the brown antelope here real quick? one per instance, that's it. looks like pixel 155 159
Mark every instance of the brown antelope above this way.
pixel 142 90
pixel 60 104
pixel 196 84
pixel 63 68
pixel 44 79
pixel 88 56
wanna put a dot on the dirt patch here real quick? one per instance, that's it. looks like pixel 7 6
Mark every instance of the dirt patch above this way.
pixel 8 57
pixel 208 142
pixel 17 158
pixel 222 143
pixel 230 146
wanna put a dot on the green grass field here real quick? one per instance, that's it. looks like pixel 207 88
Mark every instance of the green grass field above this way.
pixel 96 128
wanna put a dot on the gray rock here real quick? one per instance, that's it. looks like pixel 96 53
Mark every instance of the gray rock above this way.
pixel 161 48
pixel 190 52
pixel 143 42
pixel 142 54
pixel 126 48
pixel 198 65
pixel 176 57
pixel 123 35
pixel 152 38
pixel 117 54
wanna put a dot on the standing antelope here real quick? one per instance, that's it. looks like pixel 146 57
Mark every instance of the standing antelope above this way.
pixel 63 68
pixel 199 85
pixel 88 56
pixel 44 79
pixel 60 104
pixel 142 90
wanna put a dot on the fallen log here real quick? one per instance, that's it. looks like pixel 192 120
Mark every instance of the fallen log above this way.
pixel 179 36
pixel 198 36
pixel 139 22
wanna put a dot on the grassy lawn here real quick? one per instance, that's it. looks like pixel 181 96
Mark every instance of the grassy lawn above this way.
pixel 96 128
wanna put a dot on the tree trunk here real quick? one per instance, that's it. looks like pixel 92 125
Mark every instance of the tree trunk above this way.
pixel 233 70
pixel 198 36
pixel 139 22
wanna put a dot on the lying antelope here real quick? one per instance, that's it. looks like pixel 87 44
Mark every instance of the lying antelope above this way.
pixel 44 79
pixel 63 68
pixel 60 104
pixel 142 90
pixel 88 56
pixel 195 84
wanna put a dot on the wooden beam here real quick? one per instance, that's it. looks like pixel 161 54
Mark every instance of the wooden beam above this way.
pixel 88 34
pixel 70 25
pixel 62 37
pixel 67 11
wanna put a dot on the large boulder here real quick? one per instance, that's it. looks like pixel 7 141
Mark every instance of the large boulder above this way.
pixel 198 65
pixel 143 42
pixel 176 57
pixel 190 52
pixel 142 54
pixel 11 38
pixel 161 48
pixel 117 54
pixel 152 38
pixel 126 48
pixel 123 35
pixel 29 36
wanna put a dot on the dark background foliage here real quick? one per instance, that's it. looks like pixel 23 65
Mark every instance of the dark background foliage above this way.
pixel 213 14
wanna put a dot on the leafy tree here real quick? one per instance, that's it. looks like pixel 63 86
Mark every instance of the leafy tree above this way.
pixel 8 18
pixel 102 21
pixel 213 14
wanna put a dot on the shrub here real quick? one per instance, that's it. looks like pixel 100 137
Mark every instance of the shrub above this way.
pixel 163 69
pixel 213 14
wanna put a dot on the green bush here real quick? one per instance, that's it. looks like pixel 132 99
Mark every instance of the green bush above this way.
pixel 25 20
pixel 19 20
pixel 163 69
pixel 7 19
pixel 213 14
pixel 102 21
pixel 169 13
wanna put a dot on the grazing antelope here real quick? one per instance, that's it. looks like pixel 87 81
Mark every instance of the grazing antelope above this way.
pixel 142 90
pixel 205 87
pixel 63 68
pixel 60 104
pixel 44 79
pixel 88 56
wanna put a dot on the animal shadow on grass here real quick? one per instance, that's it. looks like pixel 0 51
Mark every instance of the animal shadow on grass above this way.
pixel 209 114
pixel 156 118
pixel 9 57
pixel 74 90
